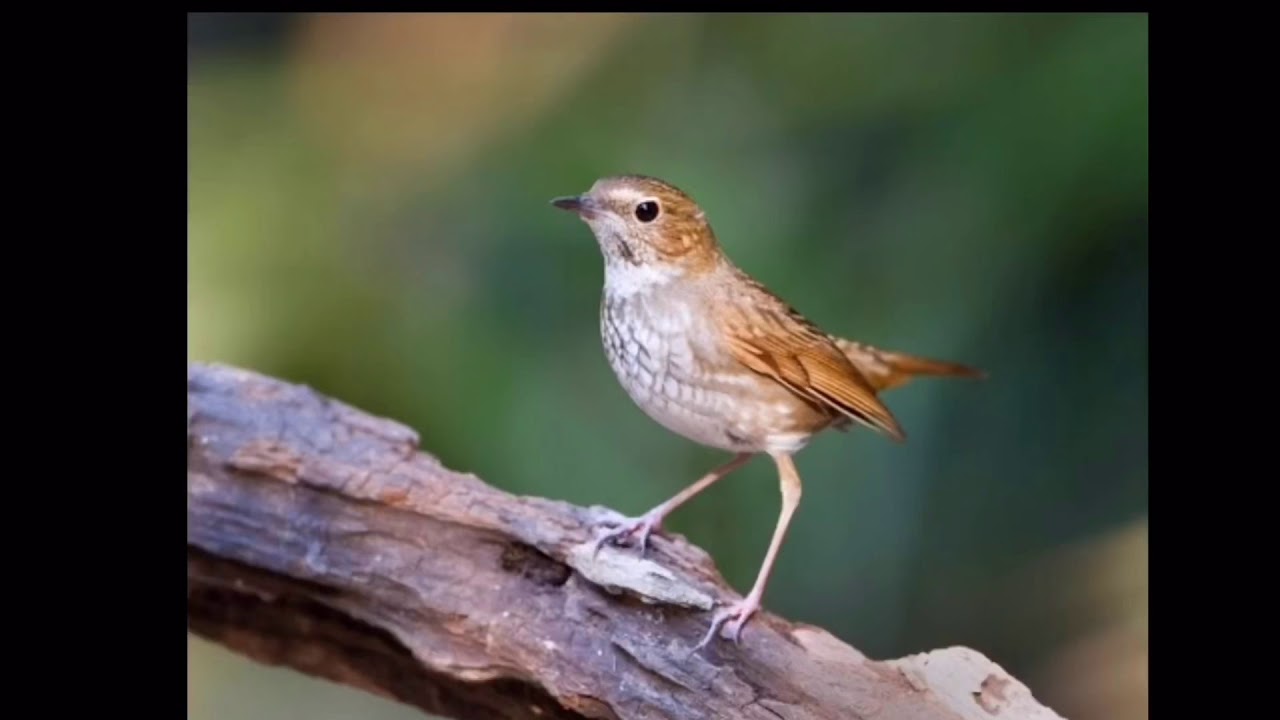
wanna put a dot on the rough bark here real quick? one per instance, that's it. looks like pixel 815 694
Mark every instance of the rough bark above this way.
pixel 320 538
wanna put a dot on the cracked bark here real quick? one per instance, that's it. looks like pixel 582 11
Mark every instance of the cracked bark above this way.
pixel 321 539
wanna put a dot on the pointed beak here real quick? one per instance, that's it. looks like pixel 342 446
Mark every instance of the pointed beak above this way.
pixel 580 204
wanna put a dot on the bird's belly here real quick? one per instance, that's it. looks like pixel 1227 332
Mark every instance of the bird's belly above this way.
pixel 700 397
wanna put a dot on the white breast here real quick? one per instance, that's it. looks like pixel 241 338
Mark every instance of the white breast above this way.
pixel 650 340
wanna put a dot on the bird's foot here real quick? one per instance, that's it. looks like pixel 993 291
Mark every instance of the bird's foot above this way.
pixel 627 530
pixel 730 620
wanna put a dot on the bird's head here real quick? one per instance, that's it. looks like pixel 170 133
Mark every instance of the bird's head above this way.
pixel 644 222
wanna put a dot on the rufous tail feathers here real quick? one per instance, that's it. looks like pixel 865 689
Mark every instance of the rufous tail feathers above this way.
pixel 886 370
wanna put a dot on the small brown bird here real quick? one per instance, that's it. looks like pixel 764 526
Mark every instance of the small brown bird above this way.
pixel 714 356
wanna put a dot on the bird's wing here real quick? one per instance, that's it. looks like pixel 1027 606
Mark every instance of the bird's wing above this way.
pixel 769 337
pixel 886 369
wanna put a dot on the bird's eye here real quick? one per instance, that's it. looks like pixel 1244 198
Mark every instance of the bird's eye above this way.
pixel 647 211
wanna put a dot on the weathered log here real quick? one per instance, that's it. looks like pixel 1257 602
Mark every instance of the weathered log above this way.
pixel 320 538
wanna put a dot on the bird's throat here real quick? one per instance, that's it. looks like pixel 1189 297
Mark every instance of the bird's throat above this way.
pixel 626 280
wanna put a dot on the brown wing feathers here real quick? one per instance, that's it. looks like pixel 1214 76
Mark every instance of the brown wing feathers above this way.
pixel 838 374
pixel 886 370
pixel 814 368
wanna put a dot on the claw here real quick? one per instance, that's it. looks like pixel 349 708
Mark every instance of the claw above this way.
pixel 628 527
pixel 600 543
pixel 739 613
pixel 717 622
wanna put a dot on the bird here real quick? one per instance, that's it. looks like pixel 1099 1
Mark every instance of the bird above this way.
pixel 711 354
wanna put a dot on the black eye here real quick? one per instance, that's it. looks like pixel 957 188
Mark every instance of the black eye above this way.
pixel 647 211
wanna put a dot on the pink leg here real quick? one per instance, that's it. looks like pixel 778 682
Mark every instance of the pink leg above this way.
pixel 652 520
pixel 735 616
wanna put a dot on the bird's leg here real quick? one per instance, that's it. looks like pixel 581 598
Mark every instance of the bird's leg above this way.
pixel 652 520
pixel 736 615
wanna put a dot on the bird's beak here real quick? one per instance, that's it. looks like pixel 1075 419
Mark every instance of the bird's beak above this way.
pixel 583 205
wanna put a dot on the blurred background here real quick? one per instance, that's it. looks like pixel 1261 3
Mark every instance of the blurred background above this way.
pixel 368 214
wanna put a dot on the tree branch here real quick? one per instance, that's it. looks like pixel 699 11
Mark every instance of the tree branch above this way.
pixel 321 539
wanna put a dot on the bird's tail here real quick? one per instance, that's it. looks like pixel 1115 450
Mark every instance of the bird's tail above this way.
pixel 886 370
